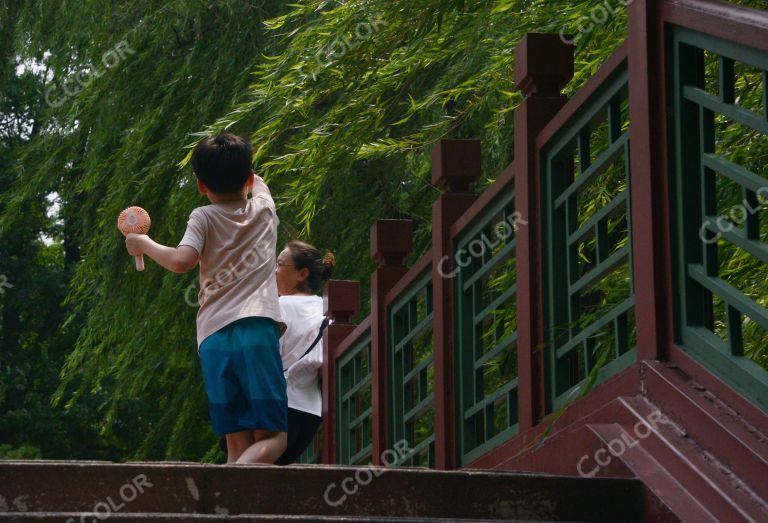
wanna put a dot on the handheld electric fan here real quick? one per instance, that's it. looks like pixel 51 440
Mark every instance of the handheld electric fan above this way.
pixel 134 220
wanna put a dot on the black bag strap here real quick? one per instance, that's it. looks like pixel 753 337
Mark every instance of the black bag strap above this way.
pixel 319 337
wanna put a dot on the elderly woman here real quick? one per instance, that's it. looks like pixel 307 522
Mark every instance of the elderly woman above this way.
pixel 301 273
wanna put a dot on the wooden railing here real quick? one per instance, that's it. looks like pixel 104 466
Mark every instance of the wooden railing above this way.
pixel 719 194
pixel 566 271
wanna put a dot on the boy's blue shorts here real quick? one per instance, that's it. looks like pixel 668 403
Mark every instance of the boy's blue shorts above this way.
pixel 243 374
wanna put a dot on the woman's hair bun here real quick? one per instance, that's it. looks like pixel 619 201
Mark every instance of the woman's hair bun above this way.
pixel 320 266
pixel 329 264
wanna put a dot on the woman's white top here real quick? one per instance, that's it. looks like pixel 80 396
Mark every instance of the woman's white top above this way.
pixel 303 316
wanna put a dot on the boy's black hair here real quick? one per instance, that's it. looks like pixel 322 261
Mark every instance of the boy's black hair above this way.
pixel 223 162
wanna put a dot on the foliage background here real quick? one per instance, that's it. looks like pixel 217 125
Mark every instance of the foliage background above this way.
pixel 343 101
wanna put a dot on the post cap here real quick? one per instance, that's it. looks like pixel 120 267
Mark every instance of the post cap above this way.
pixel 391 241
pixel 456 164
pixel 341 300
pixel 543 64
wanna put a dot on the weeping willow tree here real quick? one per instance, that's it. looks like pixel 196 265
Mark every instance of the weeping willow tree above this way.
pixel 343 102
pixel 123 92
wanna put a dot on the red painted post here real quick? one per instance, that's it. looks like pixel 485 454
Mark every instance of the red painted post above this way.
pixel 341 301
pixel 391 242
pixel 543 65
pixel 651 221
pixel 456 165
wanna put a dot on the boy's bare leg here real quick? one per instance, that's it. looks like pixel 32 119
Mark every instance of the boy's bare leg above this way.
pixel 237 443
pixel 267 447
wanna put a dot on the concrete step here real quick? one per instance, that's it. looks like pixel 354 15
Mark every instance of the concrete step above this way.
pixel 35 489
pixel 659 480
pixel 676 469
pixel 718 429
pixel 78 517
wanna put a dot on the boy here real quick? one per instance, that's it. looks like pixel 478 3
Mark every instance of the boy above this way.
pixel 239 321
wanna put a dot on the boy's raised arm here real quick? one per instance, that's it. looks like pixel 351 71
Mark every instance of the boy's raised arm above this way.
pixel 176 259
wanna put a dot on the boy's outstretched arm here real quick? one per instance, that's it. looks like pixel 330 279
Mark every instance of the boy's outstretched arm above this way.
pixel 175 259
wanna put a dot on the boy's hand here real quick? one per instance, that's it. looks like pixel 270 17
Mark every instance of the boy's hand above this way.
pixel 181 259
pixel 136 244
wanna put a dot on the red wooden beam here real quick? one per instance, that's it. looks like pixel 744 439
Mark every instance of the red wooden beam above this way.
pixel 391 242
pixel 456 165
pixel 649 187
pixel 735 23
pixel 543 66
pixel 341 301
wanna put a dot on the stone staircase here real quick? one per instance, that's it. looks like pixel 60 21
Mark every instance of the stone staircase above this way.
pixel 147 492
pixel 697 456
pixel 692 482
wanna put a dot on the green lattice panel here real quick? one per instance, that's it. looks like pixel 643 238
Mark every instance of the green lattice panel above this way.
pixel 486 330
pixel 353 392
pixel 411 372
pixel 720 180
pixel 589 293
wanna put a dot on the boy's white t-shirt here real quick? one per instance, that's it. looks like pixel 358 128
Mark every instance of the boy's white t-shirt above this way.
pixel 237 247
pixel 303 316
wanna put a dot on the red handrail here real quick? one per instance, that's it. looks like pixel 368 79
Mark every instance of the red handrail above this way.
pixel 735 23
